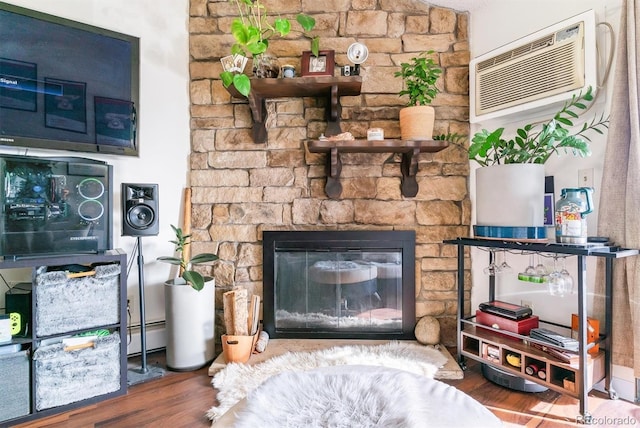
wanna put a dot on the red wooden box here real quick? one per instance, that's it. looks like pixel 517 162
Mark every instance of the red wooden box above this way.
pixel 522 326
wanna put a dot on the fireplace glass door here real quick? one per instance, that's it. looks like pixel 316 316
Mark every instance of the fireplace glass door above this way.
pixel 345 290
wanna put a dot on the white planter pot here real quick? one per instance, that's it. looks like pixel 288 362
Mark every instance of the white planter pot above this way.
pixel 510 195
pixel 189 325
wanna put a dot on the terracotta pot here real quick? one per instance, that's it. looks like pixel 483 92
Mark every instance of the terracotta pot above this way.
pixel 416 122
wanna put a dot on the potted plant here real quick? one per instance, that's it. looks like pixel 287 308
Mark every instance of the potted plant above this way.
pixel 512 170
pixel 419 83
pixel 252 31
pixel 189 308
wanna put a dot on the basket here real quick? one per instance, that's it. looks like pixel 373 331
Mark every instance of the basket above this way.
pixel 66 303
pixel 66 375
pixel 238 349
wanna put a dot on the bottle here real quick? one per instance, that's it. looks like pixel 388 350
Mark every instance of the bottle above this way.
pixel 571 209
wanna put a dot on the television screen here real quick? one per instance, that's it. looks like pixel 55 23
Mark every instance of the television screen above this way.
pixel 66 85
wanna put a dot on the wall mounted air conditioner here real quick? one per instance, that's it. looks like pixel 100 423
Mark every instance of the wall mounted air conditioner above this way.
pixel 542 68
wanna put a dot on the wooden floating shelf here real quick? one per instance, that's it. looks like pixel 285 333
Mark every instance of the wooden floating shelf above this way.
pixel 331 87
pixel 410 149
pixel 377 146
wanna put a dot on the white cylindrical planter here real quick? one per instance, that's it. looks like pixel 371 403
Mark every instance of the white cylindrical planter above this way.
pixel 190 317
pixel 510 195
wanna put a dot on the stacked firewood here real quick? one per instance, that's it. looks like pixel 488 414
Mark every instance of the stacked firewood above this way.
pixel 241 313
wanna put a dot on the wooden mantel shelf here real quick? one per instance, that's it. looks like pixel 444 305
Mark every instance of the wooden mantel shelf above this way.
pixel 329 86
pixel 410 150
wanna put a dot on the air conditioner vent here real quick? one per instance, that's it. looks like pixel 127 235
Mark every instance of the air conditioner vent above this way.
pixel 515 53
pixel 513 84
pixel 540 67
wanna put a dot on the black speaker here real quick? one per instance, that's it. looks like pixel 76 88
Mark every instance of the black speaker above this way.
pixel 139 209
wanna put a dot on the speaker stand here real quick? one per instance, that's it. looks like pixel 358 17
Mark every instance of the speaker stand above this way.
pixel 142 373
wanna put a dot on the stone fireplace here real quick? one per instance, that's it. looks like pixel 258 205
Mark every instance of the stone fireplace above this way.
pixel 240 188
pixel 339 284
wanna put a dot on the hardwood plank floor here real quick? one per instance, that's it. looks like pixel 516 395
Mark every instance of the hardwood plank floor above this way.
pixel 180 399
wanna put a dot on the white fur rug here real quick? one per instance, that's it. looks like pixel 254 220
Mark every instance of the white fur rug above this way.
pixel 363 397
pixel 235 381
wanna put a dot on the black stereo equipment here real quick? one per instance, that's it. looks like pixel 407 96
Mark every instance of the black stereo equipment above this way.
pixel 18 305
pixel 507 310
pixel 55 205
pixel 139 209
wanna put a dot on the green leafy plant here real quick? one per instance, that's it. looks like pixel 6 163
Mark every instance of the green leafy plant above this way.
pixel 252 30
pixel 419 77
pixel 450 137
pixel 189 276
pixel 308 23
pixel 535 143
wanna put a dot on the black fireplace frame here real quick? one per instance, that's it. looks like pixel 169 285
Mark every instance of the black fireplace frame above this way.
pixel 341 240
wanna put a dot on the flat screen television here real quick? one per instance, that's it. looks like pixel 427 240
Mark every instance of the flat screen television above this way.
pixel 65 85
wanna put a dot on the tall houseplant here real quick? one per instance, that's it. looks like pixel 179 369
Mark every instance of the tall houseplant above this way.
pixel 189 309
pixel 252 30
pixel 510 182
pixel 419 78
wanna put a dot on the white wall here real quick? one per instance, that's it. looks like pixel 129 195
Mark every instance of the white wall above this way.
pixel 163 138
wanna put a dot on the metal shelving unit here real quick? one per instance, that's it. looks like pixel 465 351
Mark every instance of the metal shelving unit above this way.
pixel 466 326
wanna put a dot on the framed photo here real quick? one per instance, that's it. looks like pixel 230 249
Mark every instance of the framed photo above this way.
pixel 115 122
pixel 18 85
pixel 65 105
pixel 321 65
pixel 234 62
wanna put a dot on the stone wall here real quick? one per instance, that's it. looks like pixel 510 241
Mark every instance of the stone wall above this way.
pixel 240 188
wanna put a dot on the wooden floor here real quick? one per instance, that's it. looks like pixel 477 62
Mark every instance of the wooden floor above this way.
pixel 180 399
